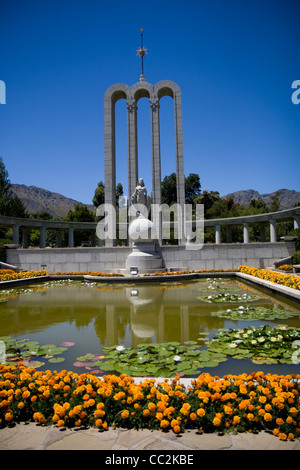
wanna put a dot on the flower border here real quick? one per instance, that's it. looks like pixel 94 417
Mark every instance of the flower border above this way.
pixel 235 403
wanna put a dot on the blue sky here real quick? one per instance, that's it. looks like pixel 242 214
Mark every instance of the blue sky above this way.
pixel 233 60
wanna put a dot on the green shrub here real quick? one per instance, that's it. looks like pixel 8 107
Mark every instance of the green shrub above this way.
pixel 3 241
pixel 296 257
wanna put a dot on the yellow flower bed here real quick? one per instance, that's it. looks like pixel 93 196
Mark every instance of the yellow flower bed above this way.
pixel 10 275
pixel 287 280
pixel 247 402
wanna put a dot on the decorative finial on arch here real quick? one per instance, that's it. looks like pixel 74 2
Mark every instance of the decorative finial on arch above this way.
pixel 142 51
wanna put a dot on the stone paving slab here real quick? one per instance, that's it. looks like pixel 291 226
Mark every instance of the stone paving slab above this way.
pixel 36 437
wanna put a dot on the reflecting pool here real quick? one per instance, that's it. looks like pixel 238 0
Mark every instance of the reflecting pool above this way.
pixel 84 318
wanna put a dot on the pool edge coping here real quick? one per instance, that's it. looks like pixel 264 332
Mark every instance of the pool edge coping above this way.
pixel 285 291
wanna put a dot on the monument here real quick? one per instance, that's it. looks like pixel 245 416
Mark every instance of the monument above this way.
pixel 132 94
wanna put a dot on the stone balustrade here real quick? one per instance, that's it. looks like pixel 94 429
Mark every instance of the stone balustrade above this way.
pixel 21 227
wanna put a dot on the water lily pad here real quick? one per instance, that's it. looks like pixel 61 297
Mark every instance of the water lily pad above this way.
pixel 67 344
pixel 254 313
pixel 228 298
pixel 34 364
pixel 56 359
pixel 265 344
pixel 81 364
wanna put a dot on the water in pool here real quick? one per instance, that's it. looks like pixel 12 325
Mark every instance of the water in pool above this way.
pixel 87 317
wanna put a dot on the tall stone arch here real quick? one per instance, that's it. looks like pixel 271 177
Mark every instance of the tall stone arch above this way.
pixel 132 95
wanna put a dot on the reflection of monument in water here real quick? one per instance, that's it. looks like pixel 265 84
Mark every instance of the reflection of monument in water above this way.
pixel 143 313
pixel 144 252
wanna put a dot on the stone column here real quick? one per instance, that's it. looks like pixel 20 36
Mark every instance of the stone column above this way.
pixel 24 238
pixel 71 237
pixel 246 233
pixel 229 234
pixel 262 233
pixel 132 145
pixel 93 238
pixel 58 239
pixel 218 234
pixel 179 155
pixel 16 234
pixel 155 144
pixel 42 237
pixel 296 222
pixel 273 231
pixel 109 156
pixel 156 164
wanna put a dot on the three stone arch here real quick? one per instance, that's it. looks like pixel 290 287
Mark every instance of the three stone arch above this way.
pixel 132 94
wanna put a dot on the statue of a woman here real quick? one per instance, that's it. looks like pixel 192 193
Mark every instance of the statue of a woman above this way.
pixel 141 198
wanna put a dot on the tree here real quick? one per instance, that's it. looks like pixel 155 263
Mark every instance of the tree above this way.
pixel 10 204
pixel 208 199
pixel 119 192
pixel 169 188
pixel 99 196
pixel 81 214
pixel 192 187
pixel 274 202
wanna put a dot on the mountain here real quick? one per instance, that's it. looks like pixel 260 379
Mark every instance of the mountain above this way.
pixel 39 200
pixel 288 198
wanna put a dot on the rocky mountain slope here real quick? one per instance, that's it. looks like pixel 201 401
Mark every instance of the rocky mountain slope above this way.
pixel 38 200
pixel 288 198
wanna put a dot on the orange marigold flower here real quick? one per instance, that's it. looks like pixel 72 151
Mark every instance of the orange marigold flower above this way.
pixel 146 412
pixel 201 412
pixel 99 413
pixel 8 416
pixel 176 429
pixel 289 420
pixel 216 421
pixel 151 406
pixel 268 417
pixel 125 414
pixel 164 423
pixel 185 409
pixel 262 399
pixel 193 416
pixel 236 420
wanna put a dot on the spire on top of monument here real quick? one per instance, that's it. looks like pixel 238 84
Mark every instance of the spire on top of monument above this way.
pixel 142 51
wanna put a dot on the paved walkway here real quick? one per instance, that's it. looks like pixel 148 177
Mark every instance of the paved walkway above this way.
pixel 36 437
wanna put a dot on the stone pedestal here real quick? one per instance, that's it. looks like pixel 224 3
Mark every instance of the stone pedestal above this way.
pixel 143 255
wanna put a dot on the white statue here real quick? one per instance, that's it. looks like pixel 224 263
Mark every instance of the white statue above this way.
pixel 141 199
